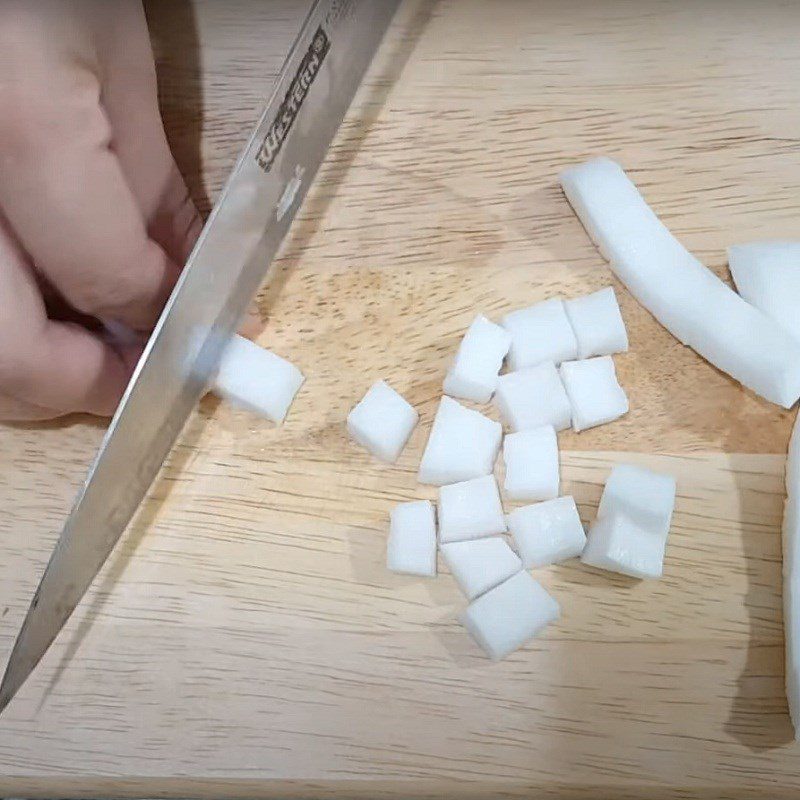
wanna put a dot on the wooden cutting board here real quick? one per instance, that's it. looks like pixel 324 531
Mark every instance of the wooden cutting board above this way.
pixel 245 638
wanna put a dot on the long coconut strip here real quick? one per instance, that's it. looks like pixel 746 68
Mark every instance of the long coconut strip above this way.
pixel 791 577
pixel 685 297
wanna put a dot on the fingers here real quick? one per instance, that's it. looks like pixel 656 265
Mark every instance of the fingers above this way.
pixel 93 196
pixel 62 370
pixel 67 199
pixel 50 368
pixel 130 100
pixel 70 369
pixel 251 324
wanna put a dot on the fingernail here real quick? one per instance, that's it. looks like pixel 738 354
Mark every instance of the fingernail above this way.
pixel 251 325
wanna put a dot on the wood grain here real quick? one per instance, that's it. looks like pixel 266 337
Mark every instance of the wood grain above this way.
pixel 245 638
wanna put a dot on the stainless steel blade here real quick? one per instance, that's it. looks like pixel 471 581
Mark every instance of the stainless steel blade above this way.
pixel 270 180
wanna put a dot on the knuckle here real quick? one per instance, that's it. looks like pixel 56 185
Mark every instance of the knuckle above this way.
pixel 87 295
pixel 120 292
pixel 101 297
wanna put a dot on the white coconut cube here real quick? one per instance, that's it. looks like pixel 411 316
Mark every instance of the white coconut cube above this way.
pixel 644 496
pixel 256 379
pixel 411 547
pixel 594 392
pixel 382 422
pixel 480 355
pixel 533 397
pixel 470 509
pixel 480 564
pixel 616 543
pixel 531 460
pixel 540 333
pixel 463 444
pixel 598 324
pixel 511 614
pixel 547 533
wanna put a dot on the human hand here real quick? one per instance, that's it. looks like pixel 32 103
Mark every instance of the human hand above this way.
pixel 94 215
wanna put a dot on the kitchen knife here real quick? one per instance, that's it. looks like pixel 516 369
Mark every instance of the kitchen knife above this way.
pixel 231 259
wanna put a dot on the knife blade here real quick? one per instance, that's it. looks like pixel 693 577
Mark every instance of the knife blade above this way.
pixel 230 260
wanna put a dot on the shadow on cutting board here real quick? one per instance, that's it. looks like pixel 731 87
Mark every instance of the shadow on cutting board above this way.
pixel 759 716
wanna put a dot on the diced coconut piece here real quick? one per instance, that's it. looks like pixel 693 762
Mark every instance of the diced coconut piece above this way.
pixel 463 444
pixel 480 564
pixel 511 614
pixel 791 577
pixel 767 274
pixel 618 544
pixel 594 392
pixel 531 459
pixel 546 533
pixel 540 333
pixel 382 422
pixel 533 397
pixel 256 379
pixel 411 547
pixel 598 324
pixel 688 299
pixel 642 495
pixel 480 355
pixel 470 509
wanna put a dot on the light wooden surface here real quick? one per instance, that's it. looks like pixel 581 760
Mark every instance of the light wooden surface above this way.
pixel 245 638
